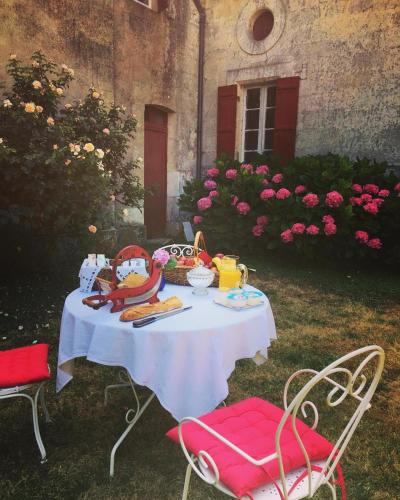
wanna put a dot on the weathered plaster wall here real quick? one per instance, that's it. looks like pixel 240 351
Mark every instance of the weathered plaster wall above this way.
pixel 132 54
pixel 347 55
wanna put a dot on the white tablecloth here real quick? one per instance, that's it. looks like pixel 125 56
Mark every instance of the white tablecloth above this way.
pixel 185 359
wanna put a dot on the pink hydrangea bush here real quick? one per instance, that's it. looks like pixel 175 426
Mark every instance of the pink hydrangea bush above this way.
pixel 312 230
pixel 262 169
pixel 210 185
pixel 204 204
pixel 213 172
pixel 298 228
pixel 287 236
pixel 231 173
pixel 243 207
pixel 333 199
pixel 267 194
pixel 282 194
pixel 310 200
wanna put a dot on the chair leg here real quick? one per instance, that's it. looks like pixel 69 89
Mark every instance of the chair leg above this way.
pixel 333 490
pixel 43 404
pixel 187 482
pixel 36 429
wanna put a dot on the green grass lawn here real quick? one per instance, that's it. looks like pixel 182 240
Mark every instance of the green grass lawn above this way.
pixel 320 315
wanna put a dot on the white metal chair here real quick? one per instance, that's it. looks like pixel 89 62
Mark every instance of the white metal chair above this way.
pixel 21 370
pixel 345 383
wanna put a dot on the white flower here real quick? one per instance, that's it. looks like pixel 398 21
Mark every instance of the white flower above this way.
pixel 125 212
pixel 68 106
pixel 140 159
pixel 7 103
pixel 39 109
pixel 88 147
pixel 99 153
pixel 13 56
pixel 55 146
pixel 50 121
pixel 1 140
pixel 59 91
pixel 100 166
pixel 74 148
pixel 36 84
pixel 20 327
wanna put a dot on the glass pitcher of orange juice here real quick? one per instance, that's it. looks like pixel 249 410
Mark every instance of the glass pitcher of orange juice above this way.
pixel 231 273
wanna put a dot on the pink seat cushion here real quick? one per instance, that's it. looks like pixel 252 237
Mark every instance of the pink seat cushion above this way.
pixel 24 365
pixel 251 425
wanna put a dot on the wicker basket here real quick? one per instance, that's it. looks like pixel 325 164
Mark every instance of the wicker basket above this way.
pixel 177 275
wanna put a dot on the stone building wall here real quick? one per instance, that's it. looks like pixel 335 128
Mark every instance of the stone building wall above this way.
pixel 132 54
pixel 346 53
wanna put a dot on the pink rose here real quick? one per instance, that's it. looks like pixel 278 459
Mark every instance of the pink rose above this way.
pixel 203 204
pixel 277 178
pixel 298 228
pixel 371 188
pixel 312 230
pixel 310 200
pixel 262 220
pixel 300 189
pixel 262 169
pixel 356 188
pixel 287 236
pixel 355 201
pixel 330 229
pixel 371 208
pixel 257 230
pixel 197 219
pixel 375 243
pixel 208 184
pixel 328 219
pixel 231 173
pixel 282 194
pixel 247 167
pixel 234 200
pixel 212 194
pixel 242 207
pixel 366 198
pixel 384 193
pixel 361 236
pixel 212 172
pixel 266 194
pixel 378 201
pixel 161 255
pixel 397 187
pixel 334 199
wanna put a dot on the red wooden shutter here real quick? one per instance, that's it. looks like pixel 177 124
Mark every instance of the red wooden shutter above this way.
pixel 226 120
pixel 287 99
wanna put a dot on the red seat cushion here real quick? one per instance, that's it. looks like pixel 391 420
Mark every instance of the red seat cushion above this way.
pixel 24 365
pixel 251 425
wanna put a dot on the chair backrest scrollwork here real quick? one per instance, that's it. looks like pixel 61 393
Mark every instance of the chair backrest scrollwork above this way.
pixel 357 384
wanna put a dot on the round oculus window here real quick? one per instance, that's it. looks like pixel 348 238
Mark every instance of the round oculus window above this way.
pixel 263 25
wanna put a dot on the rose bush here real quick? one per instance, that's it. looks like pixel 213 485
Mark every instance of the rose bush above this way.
pixel 62 163
pixel 314 205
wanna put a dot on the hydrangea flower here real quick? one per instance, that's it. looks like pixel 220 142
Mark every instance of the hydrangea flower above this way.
pixel 328 219
pixel 312 230
pixel 334 199
pixel 212 172
pixel 397 187
pixel 300 189
pixel 384 193
pixel 282 194
pixel 257 230
pixel 243 208
pixel 330 229
pixel 262 169
pixel 357 188
pixel 234 200
pixel 371 208
pixel 366 198
pixel 375 243
pixel 161 255
pixel 371 188
pixel 310 200
pixel 277 178
pixel 355 202
pixel 210 185
pixel 298 228
pixel 262 220
pixel 213 194
pixel 287 236
pixel 247 167
pixel 266 194
pixel 231 173
pixel 361 237
pixel 197 219
pixel 203 204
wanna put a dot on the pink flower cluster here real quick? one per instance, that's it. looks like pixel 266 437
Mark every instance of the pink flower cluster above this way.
pixel 212 172
pixel 261 222
pixel 247 167
pixel 282 194
pixel 204 204
pixel 287 236
pixel 277 178
pixel 262 169
pixel 213 194
pixel 231 173
pixel 363 238
pixel 330 227
pixel 300 189
pixel 266 194
pixel 197 219
pixel 310 200
pixel 243 207
pixel 209 184
pixel 334 199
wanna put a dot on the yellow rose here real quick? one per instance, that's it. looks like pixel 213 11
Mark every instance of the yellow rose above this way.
pixel 99 153
pixel 36 84
pixel 50 121
pixel 95 95
pixel 92 229
pixel 88 147
pixel 30 107
pixel 39 109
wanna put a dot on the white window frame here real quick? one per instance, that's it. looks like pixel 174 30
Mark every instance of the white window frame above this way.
pixel 152 4
pixel 261 119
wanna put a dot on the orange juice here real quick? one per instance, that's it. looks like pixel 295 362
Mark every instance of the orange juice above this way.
pixel 229 279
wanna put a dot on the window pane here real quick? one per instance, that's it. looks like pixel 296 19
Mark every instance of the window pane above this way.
pixel 251 140
pixel 271 96
pixel 269 139
pixel 252 119
pixel 253 98
pixel 249 156
pixel 270 118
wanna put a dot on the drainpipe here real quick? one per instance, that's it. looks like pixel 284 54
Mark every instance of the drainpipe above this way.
pixel 200 85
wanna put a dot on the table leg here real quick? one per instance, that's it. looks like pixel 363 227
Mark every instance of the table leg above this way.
pixel 131 421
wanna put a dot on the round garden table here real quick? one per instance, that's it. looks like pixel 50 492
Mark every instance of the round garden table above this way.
pixel 185 359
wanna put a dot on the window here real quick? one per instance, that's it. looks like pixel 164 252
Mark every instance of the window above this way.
pixel 258 121
pixel 148 3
